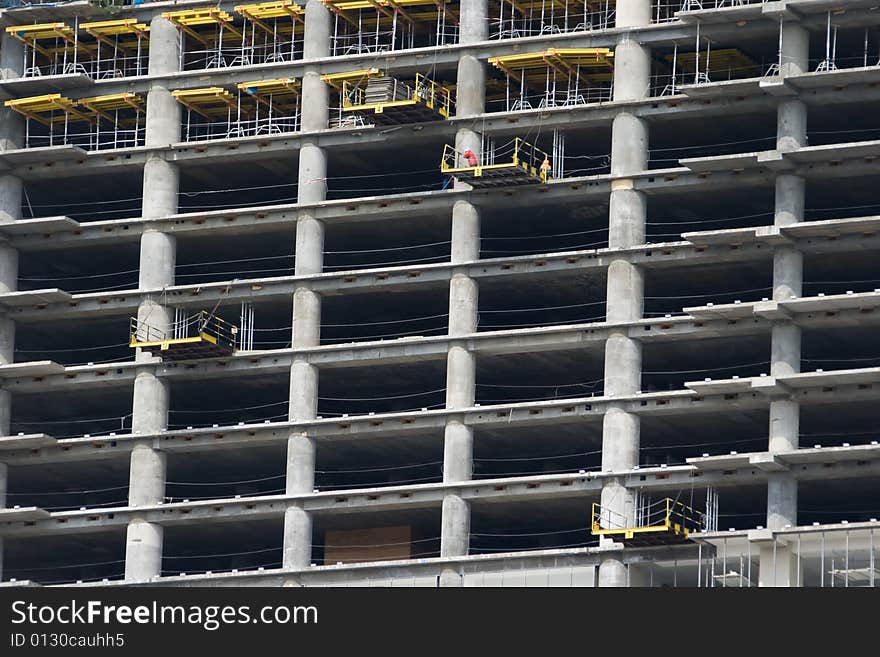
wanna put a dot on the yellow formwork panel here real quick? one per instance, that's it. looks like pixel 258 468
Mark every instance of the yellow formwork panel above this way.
pixel 270 87
pixel 412 10
pixel 126 100
pixel 338 80
pixel 281 94
pixel 270 10
pixel 591 64
pixel 32 33
pixel 36 107
pixel 528 7
pixel 191 19
pixel 116 28
pixel 210 102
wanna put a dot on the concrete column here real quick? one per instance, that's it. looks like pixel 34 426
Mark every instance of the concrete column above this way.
pixel 463 297
pixel 297 538
pixel 143 550
pixel 147 476
pixel 795 49
pixel 312 188
pixel 785 348
pixel 627 214
pixel 143 547
pixel 778 567
pixel 11 137
pixel 143 542
pixel 3 479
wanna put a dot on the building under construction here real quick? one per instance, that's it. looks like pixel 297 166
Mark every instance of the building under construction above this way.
pixel 440 293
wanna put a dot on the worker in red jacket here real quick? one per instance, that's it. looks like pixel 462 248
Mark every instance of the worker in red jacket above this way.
pixel 471 158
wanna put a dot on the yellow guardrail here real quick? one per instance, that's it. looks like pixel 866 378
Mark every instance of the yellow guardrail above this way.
pixel 523 155
pixel 425 90
pixel 671 515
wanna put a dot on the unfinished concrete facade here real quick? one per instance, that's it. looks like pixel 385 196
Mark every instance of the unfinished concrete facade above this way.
pixel 444 383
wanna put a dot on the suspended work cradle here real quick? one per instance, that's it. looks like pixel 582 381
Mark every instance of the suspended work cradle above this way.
pixel 383 100
pixel 255 108
pixel 377 25
pixel 100 122
pixel 202 335
pixel 516 163
pixel 556 77
pixel 656 523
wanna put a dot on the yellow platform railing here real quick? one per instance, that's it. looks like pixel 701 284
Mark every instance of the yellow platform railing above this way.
pixel 523 155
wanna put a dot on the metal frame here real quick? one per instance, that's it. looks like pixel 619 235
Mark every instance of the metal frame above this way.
pixel 124 112
pixel 513 19
pixel 255 108
pixel 662 522
pixel 556 77
pixel 203 335
pixel 522 164
pixel 380 25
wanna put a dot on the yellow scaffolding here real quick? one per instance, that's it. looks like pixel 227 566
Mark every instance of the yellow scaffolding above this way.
pixel 48 109
pixel 209 102
pixel 203 335
pixel 126 40
pixel 522 18
pixel 377 25
pixel 123 112
pixel 276 106
pixel 220 33
pixel 50 48
pixel 519 163
pixel 556 77
pixel 263 11
pixel 664 522
pixel 258 107
pixel 385 100
pixel 274 28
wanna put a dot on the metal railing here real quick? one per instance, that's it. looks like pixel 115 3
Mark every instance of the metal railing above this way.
pixel 427 91
pixel 518 153
pixel 203 324
pixel 665 513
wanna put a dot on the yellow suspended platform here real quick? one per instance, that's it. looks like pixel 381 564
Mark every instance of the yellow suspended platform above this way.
pixel 385 100
pixel 523 164
pixel 211 338
pixel 668 522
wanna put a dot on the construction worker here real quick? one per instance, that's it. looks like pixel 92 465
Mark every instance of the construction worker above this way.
pixel 545 168
pixel 471 158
